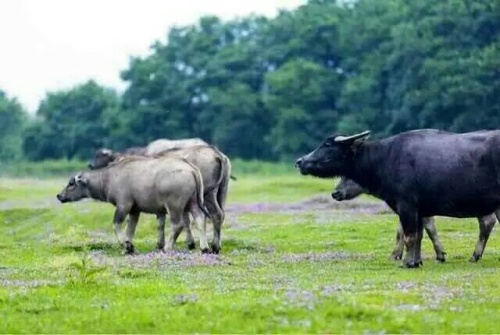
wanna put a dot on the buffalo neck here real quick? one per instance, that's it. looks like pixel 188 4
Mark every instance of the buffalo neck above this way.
pixel 367 167
pixel 98 184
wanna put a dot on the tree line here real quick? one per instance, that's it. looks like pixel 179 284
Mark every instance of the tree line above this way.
pixel 271 89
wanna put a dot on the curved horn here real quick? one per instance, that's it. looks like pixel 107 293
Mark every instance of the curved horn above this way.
pixel 106 151
pixel 352 137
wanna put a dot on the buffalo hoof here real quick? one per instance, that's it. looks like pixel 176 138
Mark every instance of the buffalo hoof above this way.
pixel 215 249
pixel 396 256
pixel 441 258
pixel 475 257
pixel 129 248
pixel 191 245
pixel 206 251
pixel 160 246
pixel 412 265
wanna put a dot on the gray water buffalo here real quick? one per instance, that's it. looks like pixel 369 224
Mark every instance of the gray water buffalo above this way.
pixel 151 149
pixel 137 151
pixel 419 173
pixel 215 168
pixel 163 144
pixel 104 155
pixel 137 185
pixel 348 189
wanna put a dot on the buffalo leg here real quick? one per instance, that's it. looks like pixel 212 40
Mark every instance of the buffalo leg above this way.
pixel 189 233
pixel 430 229
pixel 418 251
pixel 199 219
pixel 486 224
pixel 133 219
pixel 160 241
pixel 119 217
pixel 217 219
pixel 397 253
pixel 176 225
pixel 412 227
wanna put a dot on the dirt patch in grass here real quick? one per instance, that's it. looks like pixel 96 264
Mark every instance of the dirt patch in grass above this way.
pixel 434 295
pixel 315 203
pixel 319 202
pixel 29 283
pixel 321 257
pixel 160 260
pixel 28 203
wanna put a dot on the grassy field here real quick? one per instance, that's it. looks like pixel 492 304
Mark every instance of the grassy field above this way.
pixel 293 261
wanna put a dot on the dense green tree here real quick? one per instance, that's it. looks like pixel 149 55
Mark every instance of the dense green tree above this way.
pixel 12 120
pixel 421 64
pixel 301 94
pixel 204 82
pixel 71 123
pixel 272 88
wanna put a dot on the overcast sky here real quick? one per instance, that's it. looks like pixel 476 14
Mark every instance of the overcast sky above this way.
pixel 48 45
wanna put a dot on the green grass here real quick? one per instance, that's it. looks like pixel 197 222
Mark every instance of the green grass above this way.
pixel 28 189
pixel 308 270
pixel 276 189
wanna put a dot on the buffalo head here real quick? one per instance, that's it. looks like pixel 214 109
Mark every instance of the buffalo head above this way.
pixel 333 157
pixel 76 189
pixel 347 189
pixel 102 158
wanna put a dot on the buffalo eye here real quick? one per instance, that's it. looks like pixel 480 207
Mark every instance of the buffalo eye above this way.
pixel 328 143
pixel 71 182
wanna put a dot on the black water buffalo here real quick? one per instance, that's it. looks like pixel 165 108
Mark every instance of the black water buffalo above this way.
pixel 348 189
pixel 419 173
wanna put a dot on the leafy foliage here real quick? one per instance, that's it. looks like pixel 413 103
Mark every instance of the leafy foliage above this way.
pixel 264 88
pixel 71 123
pixel 12 120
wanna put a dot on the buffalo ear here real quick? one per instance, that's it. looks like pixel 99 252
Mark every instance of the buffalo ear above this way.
pixel 360 141
pixel 357 144
pixel 79 180
pixel 346 139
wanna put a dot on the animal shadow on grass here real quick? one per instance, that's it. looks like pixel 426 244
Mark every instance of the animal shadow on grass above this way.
pixel 110 247
pixel 107 247
pixel 87 241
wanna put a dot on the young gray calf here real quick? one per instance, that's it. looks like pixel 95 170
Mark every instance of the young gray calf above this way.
pixel 149 185
pixel 348 189
pixel 215 169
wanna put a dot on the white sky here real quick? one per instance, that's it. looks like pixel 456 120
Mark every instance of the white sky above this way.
pixel 48 45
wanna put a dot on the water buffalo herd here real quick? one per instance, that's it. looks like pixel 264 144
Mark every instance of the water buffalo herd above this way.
pixel 187 179
pixel 419 174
